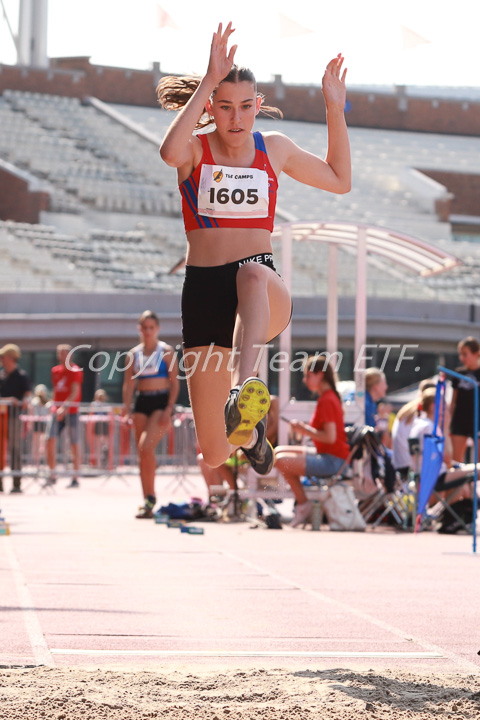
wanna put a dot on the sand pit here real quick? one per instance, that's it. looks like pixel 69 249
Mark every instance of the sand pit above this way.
pixel 277 694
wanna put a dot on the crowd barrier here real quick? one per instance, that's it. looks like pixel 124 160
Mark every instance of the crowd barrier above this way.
pixel 105 439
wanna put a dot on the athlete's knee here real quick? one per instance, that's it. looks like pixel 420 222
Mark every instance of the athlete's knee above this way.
pixel 164 423
pixel 146 447
pixel 214 457
pixel 250 275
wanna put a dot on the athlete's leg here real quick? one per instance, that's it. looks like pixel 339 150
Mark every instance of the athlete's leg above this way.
pixel 459 446
pixel 51 453
pixel 215 476
pixel 291 463
pixel 208 373
pixel 139 427
pixel 148 432
pixel 263 311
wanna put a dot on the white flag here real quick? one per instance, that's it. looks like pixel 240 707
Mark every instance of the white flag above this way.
pixel 164 19
pixel 290 28
pixel 411 39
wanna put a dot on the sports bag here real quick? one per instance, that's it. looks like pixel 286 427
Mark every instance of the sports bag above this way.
pixel 342 510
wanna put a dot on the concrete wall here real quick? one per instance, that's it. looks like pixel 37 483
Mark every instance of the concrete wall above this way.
pixel 464 187
pixel 17 201
pixel 109 320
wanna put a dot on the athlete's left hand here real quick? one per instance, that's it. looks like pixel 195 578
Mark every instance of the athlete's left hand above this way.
pixel 333 83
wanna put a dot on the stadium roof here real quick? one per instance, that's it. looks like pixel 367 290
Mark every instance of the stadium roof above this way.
pixel 416 255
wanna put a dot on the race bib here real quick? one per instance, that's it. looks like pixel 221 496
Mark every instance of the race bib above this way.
pixel 233 192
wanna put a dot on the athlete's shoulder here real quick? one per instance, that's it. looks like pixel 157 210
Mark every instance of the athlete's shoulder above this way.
pixel 167 349
pixel 279 149
pixel 277 141
pixel 275 136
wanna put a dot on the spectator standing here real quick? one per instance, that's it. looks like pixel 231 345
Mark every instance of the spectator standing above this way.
pixel 375 390
pixel 40 409
pixel 98 431
pixel 67 379
pixel 14 386
pixel 461 409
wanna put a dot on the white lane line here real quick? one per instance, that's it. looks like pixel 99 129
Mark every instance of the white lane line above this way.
pixel 339 605
pixel 40 649
pixel 250 653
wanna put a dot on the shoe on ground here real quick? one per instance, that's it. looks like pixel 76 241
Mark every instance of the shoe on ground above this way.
pixel 15 490
pixel 246 406
pixel 261 455
pixel 74 484
pixel 302 514
pixel 145 513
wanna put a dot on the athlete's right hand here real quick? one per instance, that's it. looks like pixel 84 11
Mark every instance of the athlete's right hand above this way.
pixel 221 61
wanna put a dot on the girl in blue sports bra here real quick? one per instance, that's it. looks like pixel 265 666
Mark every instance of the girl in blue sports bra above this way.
pixel 233 300
pixel 152 370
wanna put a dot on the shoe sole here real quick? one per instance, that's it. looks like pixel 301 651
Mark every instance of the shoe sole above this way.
pixel 253 404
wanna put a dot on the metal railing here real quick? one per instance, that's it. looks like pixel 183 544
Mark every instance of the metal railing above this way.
pixel 106 442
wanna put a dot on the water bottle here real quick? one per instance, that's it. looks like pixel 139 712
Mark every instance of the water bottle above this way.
pixel 4 526
pixel 252 509
pixel 192 530
pixel 316 515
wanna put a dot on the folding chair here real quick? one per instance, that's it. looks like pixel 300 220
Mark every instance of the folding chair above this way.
pixel 443 505
pixel 380 491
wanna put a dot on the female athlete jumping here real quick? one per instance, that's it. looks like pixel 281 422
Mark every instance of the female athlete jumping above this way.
pixel 233 300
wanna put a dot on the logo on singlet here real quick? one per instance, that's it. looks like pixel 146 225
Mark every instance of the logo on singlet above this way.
pixel 217 176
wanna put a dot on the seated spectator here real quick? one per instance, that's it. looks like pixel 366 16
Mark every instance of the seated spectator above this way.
pixel 215 477
pixel 383 423
pixel 423 425
pixel 375 390
pixel 327 432
pixel 401 429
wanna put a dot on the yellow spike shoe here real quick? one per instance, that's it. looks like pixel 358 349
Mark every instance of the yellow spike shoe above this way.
pixel 246 406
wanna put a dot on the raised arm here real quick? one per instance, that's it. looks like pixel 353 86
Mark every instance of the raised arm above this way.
pixel 334 172
pixel 177 148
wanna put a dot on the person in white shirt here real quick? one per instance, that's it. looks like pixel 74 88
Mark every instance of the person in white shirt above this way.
pixel 402 426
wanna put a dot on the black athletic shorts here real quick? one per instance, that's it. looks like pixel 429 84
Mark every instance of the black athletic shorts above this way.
pixel 209 302
pixel 462 426
pixel 147 402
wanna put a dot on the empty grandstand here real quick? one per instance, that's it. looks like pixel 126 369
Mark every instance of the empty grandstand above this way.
pixel 111 226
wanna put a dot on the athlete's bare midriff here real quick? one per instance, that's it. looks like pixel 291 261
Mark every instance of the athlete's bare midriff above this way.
pixel 218 246
pixel 153 384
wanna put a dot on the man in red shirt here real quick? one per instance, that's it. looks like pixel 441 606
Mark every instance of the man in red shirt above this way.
pixel 67 381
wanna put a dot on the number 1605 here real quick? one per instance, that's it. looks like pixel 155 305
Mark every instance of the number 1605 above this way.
pixel 237 196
